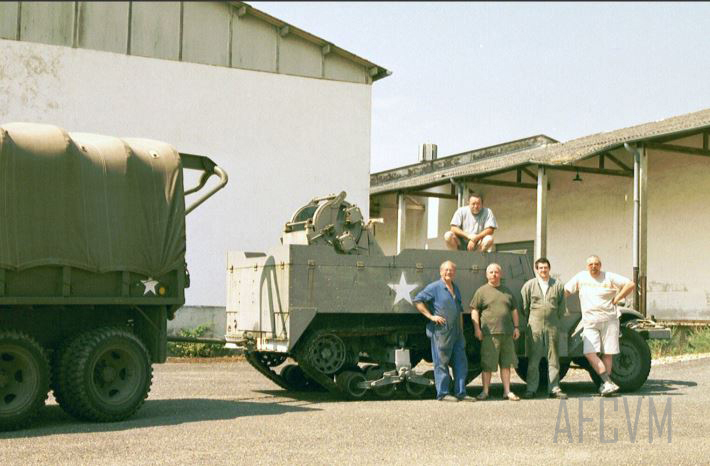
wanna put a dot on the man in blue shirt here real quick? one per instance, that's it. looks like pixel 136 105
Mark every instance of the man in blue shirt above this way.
pixel 440 302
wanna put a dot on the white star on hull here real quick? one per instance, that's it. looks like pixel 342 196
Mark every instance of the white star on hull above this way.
pixel 403 290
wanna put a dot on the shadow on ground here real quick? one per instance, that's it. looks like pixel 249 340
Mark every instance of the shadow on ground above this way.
pixel 53 420
pixel 574 389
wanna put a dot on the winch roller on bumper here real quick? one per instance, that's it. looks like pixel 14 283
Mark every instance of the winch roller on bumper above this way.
pixel 329 299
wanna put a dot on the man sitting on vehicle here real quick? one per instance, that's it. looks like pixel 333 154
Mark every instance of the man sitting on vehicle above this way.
pixel 472 227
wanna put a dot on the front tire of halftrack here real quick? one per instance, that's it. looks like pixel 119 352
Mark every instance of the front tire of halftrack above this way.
pixel 24 379
pixel 632 365
pixel 108 375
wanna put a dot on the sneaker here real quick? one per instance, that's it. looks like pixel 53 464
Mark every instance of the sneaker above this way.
pixel 607 389
pixel 559 394
pixel 528 395
pixel 447 398
pixel 465 398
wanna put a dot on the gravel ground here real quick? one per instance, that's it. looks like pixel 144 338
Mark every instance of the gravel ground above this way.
pixel 227 413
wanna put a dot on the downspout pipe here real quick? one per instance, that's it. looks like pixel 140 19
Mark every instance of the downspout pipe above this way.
pixel 637 227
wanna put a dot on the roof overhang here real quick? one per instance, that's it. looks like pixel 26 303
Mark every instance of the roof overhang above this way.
pixel 376 72
pixel 551 154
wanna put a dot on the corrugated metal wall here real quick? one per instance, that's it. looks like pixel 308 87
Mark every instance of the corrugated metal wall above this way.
pixel 212 33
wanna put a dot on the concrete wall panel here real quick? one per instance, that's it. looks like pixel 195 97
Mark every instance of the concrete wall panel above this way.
pixel 8 20
pixel 342 69
pixel 283 139
pixel 103 26
pixel 155 30
pixel 206 32
pixel 48 22
pixel 254 44
pixel 300 57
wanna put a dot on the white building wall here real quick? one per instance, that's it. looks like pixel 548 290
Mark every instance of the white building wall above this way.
pixel 282 139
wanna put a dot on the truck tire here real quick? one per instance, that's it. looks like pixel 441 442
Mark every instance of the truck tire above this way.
pixel 106 375
pixel 58 380
pixel 632 365
pixel 24 379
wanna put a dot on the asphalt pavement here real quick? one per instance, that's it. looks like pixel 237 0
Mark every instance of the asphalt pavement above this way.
pixel 227 413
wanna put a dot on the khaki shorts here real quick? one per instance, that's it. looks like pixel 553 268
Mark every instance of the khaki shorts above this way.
pixel 601 337
pixel 498 350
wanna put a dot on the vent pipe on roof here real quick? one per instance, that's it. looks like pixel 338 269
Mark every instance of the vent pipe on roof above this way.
pixel 427 152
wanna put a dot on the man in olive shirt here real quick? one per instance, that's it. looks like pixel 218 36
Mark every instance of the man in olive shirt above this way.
pixel 495 323
pixel 544 306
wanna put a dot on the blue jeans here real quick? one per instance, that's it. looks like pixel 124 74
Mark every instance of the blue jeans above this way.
pixel 442 358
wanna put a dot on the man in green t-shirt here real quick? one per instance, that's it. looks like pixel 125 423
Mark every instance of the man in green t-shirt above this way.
pixel 495 322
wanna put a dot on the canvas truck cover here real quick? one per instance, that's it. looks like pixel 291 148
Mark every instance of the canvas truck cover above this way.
pixel 93 202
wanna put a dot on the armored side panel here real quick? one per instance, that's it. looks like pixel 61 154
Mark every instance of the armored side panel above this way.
pixel 89 219
pixel 275 297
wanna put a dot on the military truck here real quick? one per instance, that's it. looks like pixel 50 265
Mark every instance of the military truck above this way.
pixel 328 299
pixel 92 265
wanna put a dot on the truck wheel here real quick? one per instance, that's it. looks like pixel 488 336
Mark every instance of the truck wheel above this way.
pixel 632 365
pixel 107 375
pixel 60 366
pixel 24 379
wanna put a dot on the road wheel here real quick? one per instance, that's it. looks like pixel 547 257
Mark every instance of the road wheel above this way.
pixel 375 373
pixel 295 377
pixel 107 375
pixel 415 390
pixel 632 365
pixel 24 379
pixel 326 352
pixel 522 371
pixel 350 383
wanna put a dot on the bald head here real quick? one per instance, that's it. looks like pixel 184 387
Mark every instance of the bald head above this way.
pixel 493 273
pixel 447 271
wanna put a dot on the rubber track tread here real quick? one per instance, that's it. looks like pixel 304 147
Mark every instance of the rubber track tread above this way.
pixel 253 359
pixel 31 413
pixel 78 403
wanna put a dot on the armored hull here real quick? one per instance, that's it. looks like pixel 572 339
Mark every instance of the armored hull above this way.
pixel 329 299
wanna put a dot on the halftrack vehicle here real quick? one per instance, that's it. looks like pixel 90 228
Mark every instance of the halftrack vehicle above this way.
pixel 330 300
pixel 92 265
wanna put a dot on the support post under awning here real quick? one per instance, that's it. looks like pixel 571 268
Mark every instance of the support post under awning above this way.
pixel 640 236
pixel 541 223
pixel 401 221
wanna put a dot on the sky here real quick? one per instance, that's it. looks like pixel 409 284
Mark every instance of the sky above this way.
pixel 471 75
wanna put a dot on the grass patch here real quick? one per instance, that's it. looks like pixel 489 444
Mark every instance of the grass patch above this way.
pixel 684 340
pixel 196 350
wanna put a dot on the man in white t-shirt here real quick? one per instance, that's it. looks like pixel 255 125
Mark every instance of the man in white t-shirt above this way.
pixel 599 293
pixel 472 227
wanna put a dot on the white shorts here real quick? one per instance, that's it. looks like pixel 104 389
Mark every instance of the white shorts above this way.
pixel 601 337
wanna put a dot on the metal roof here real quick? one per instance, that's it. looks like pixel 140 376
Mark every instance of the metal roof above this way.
pixel 539 150
pixel 376 71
